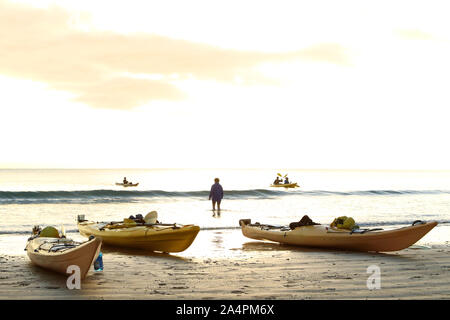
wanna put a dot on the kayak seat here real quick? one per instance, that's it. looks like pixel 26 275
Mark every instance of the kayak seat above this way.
pixel 61 247
pixel 268 227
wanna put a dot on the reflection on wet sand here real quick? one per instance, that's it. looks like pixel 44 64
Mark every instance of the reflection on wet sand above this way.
pixel 142 253
pixel 218 240
pixel 274 246
pixel 216 213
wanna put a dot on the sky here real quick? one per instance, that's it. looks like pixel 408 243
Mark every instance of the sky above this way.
pixel 225 84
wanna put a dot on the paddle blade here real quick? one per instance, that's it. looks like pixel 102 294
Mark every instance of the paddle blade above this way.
pixel 151 217
pixel 279 174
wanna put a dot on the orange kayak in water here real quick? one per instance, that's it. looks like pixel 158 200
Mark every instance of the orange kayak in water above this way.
pixel 288 185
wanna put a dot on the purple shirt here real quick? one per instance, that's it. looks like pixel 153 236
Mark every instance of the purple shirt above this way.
pixel 216 192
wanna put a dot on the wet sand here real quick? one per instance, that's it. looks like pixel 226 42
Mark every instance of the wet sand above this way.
pixel 222 264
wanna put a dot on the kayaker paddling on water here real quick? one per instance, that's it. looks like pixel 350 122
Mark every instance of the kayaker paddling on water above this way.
pixel 216 194
pixel 125 181
pixel 277 181
pixel 286 181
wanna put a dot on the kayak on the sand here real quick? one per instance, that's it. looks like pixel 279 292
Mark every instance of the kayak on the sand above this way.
pixel 377 240
pixel 148 235
pixel 127 184
pixel 57 254
pixel 289 185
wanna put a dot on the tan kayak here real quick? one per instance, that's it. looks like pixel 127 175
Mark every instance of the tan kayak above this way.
pixel 326 237
pixel 57 254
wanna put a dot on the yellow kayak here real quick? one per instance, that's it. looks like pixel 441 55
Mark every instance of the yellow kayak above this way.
pixel 289 185
pixel 326 237
pixel 152 237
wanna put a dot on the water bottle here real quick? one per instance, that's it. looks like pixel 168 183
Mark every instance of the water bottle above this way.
pixel 98 264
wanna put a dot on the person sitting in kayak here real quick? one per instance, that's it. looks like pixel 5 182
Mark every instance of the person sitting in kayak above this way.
pixel 277 181
pixel 216 194
pixel 125 181
pixel 286 181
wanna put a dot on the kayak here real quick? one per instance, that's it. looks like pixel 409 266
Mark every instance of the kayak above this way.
pixel 377 240
pixel 57 254
pixel 151 237
pixel 289 185
pixel 127 184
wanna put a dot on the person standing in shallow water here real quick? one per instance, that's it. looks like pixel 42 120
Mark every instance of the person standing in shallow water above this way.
pixel 216 194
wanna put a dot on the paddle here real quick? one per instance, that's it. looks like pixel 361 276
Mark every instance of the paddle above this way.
pixel 140 224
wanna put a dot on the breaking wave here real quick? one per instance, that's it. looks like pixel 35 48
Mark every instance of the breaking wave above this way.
pixel 107 196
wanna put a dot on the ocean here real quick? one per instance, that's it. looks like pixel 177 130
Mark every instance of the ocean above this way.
pixel 387 199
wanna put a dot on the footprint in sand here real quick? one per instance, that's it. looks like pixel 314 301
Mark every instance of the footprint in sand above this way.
pixel 237 291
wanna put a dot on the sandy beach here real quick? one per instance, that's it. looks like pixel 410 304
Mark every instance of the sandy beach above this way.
pixel 225 265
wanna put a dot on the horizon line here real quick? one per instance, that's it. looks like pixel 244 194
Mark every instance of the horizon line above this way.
pixel 219 168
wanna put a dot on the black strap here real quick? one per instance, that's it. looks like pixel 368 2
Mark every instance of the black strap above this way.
pixel 365 230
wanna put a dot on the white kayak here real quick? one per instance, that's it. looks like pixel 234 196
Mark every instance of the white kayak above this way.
pixel 127 184
pixel 57 254
pixel 377 240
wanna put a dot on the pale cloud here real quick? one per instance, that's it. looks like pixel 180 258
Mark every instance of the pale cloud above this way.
pixel 414 34
pixel 41 45
pixel 124 93
pixel 331 52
